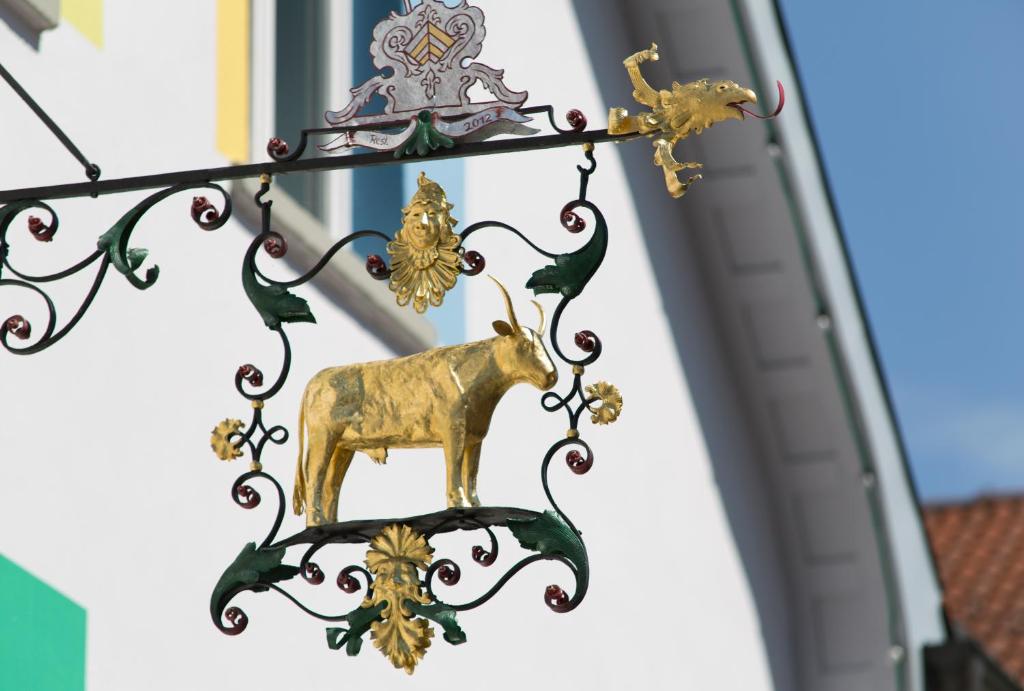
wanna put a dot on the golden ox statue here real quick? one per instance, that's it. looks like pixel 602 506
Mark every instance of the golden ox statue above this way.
pixel 442 397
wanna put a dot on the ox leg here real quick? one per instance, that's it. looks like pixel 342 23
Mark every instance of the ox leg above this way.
pixel 340 460
pixel 454 452
pixel 321 451
pixel 470 466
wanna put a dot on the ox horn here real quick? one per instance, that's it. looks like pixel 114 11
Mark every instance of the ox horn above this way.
pixel 508 304
pixel 540 329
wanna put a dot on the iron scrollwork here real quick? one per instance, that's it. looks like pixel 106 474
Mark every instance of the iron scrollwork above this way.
pixel 111 250
pixel 400 565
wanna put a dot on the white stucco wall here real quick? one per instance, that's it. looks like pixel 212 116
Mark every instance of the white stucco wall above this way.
pixel 108 489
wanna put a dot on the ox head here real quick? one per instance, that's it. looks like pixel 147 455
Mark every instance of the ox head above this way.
pixel 520 350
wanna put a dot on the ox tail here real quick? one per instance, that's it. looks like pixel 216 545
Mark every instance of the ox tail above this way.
pixel 299 493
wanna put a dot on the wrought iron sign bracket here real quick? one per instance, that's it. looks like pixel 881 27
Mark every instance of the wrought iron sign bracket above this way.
pixel 443 397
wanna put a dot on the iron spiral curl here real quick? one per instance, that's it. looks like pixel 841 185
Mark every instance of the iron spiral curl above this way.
pixel 246 496
pixel 486 557
pixel 351 585
pixel 575 117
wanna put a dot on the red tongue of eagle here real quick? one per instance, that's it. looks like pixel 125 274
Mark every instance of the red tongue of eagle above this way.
pixel 778 108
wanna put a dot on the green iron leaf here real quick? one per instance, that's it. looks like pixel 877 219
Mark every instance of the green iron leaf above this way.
pixel 115 241
pixel 274 303
pixel 252 566
pixel 335 636
pixel 549 534
pixel 443 615
pixel 136 257
pixel 571 272
pixel 359 621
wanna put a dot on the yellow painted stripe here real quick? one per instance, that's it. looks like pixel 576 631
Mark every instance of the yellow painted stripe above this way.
pixel 233 79
pixel 415 52
pixel 440 35
pixel 86 16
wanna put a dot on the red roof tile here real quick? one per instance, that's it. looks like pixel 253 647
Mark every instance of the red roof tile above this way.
pixel 979 546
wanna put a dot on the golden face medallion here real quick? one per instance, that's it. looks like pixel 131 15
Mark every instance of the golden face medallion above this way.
pixel 425 252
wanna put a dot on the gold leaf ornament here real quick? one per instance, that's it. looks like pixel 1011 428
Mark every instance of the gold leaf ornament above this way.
pixel 425 260
pixel 675 114
pixel 608 403
pixel 220 439
pixel 395 557
pixel 397 552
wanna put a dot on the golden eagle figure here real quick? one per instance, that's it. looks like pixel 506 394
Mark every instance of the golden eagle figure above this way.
pixel 686 108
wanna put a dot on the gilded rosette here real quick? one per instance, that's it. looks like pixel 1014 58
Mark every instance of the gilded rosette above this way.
pixel 220 439
pixel 425 260
pixel 606 404
pixel 395 557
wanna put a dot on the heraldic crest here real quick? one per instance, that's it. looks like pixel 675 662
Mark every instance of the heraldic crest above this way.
pixel 427 50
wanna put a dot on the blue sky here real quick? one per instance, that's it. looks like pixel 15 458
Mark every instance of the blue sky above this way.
pixel 919 110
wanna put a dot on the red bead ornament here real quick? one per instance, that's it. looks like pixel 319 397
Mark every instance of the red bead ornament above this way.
pixel 556 599
pixel 576 119
pixel 277 147
pixel 19 326
pixel 376 267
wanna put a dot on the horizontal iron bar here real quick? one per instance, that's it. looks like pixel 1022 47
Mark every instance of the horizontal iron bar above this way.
pixel 377 158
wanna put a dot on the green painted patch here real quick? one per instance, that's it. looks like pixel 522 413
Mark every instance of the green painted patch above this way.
pixel 42 635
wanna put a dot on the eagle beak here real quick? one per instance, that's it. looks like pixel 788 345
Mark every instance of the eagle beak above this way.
pixel 752 98
pixel 747 96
